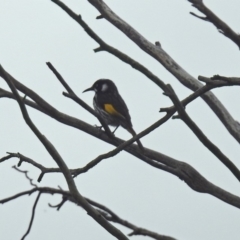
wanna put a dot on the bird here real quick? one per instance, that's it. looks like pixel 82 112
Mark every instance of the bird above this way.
pixel 109 104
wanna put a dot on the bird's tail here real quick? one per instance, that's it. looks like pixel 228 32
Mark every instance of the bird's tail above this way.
pixel 131 130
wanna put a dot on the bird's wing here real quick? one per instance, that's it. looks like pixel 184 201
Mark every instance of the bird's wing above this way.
pixel 116 106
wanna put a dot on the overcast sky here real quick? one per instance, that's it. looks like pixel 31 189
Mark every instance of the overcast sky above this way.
pixel 35 32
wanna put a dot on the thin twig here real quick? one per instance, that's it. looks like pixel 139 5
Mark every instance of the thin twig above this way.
pixel 108 214
pixel 43 169
pixel 62 165
pixel 59 205
pixel 32 217
pixel 126 144
pixel 78 100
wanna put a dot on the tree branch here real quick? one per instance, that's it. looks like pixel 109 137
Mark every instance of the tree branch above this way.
pixel 217 79
pixel 73 96
pixel 105 47
pixel 162 57
pixel 29 192
pixel 61 164
pixel 113 217
pixel 200 135
pixel 26 175
pixel 221 26
pixel 32 217
pixel 106 212
pixel 180 169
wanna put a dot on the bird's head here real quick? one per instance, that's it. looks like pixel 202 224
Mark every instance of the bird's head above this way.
pixel 102 86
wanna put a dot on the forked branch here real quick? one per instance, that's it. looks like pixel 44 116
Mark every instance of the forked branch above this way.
pixel 221 26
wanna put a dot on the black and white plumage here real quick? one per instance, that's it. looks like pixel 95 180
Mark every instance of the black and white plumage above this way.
pixel 110 106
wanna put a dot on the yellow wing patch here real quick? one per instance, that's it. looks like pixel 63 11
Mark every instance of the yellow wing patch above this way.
pixel 111 110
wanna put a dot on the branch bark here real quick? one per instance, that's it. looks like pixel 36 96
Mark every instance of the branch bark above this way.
pixel 106 212
pixel 180 169
pixel 32 217
pixel 173 67
pixel 61 164
pixel 200 135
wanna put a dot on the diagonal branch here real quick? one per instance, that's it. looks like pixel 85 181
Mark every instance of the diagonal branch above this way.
pixel 78 100
pixel 108 214
pixel 38 189
pixel 113 217
pixel 173 67
pixel 106 47
pixel 200 135
pixel 221 26
pixel 61 164
pixel 32 217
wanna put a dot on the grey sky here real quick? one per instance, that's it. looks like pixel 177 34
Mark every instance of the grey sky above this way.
pixel 34 32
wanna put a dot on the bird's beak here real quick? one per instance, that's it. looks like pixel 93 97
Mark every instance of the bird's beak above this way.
pixel 88 89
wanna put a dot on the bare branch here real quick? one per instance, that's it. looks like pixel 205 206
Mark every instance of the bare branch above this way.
pixel 43 169
pixel 105 47
pixel 26 175
pixel 4 93
pixel 32 217
pixel 217 79
pixel 3 159
pixel 215 20
pixel 61 164
pixel 200 135
pixel 59 205
pixel 182 170
pixel 73 96
pixel 125 144
pixel 210 84
pixel 106 212
pixel 113 217
pixel 29 192
pixel 162 57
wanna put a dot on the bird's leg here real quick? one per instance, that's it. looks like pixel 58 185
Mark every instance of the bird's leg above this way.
pixel 115 129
